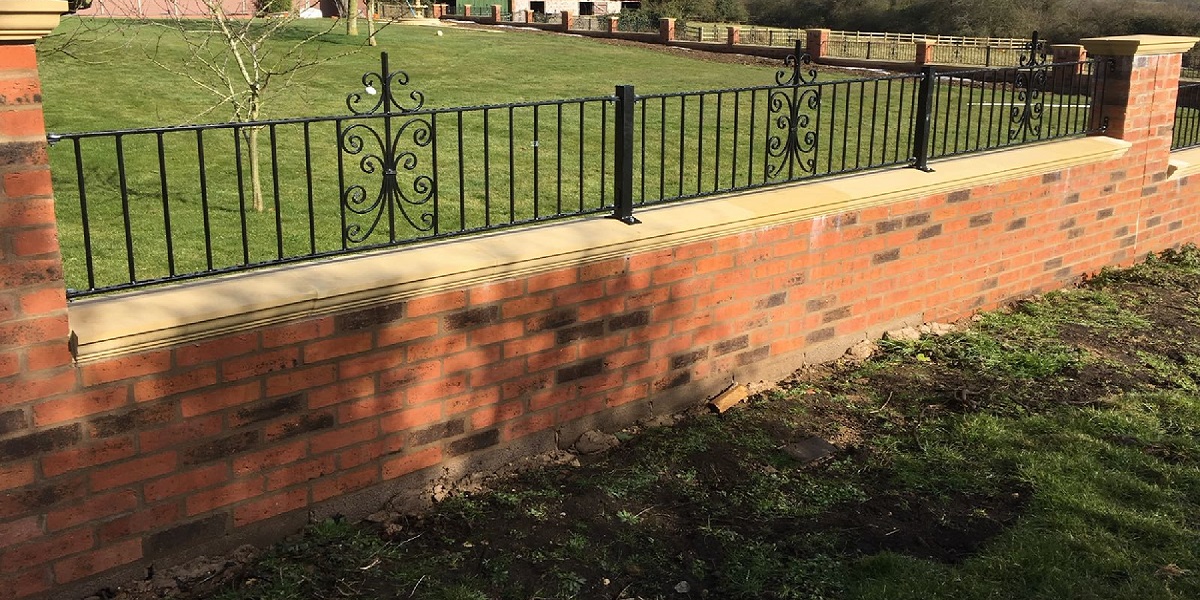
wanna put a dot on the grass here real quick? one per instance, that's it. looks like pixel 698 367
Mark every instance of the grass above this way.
pixel 1050 450
pixel 472 168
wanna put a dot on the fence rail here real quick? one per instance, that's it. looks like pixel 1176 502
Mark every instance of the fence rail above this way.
pixel 165 204
pixel 1187 117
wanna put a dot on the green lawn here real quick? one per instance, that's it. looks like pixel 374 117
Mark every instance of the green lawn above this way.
pixel 460 169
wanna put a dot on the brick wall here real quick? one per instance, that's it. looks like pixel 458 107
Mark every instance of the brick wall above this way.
pixel 109 465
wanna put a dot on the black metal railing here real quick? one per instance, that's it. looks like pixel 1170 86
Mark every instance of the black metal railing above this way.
pixel 977 110
pixel 1187 117
pixel 165 204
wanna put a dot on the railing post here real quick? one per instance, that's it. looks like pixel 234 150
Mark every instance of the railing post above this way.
pixel 623 171
pixel 924 119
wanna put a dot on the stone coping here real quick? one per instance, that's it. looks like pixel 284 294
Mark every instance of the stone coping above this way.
pixel 1184 163
pixel 1138 45
pixel 29 20
pixel 138 321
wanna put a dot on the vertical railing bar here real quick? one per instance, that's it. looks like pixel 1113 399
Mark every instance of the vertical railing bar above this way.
pixel 88 258
pixel 642 166
pixel 700 147
pixel 204 211
pixel 923 119
pixel 462 178
pixel 437 184
pixel 536 163
pixel 750 146
pixel 682 138
pixel 662 147
pixel 512 172
pixel 582 152
pixel 603 152
pixel 124 182
pixel 275 194
pixel 341 184
pixel 166 205
pixel 487 168
pixel 717 145
pixel 558 161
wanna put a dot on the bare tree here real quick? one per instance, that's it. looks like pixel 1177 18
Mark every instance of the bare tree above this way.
pixel 239 59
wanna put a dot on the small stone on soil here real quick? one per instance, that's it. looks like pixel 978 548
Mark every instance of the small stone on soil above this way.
pixel 906 334
pixel 810 450
pixel 595 441
pixel 862 350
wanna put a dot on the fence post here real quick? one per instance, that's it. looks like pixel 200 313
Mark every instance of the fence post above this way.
pixel 623 155
pixel 924 119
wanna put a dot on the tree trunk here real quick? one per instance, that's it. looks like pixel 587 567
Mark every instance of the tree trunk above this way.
pixel 351 17
pixel 371 6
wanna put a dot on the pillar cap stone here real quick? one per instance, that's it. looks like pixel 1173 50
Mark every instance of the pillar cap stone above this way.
pixel 29 20
pixel 1138 45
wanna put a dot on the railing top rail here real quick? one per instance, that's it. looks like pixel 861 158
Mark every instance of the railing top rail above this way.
pixel 55 137
pixel 753 88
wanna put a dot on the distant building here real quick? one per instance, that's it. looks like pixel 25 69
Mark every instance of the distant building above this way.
pixel 594 7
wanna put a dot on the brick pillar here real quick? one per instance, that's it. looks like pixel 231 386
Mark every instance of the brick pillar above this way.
pixel 35 362
pixel 925 52
pixel 568 20
pixel 1065 78
pixel 614 24
pixel 528 16
pixel 733 36
pixel 816 43
pixel 666 30
pixel 466 10
pixel 1139 91
pixel 495 13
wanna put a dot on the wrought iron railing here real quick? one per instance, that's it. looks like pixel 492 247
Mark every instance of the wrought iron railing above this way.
pixel 145 206
pixel 769 36
pixel 1187 117
pixel 985 109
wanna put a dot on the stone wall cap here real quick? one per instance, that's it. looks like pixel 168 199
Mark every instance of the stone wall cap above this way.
pixel 1138 45
pixel 29 20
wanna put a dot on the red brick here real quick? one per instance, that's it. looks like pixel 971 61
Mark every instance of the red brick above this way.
pixel 296 333
pixel 32 182
pixel 15 475
pixel 111 556
pixel 217 349
pixel 371 406
pixel 491 292
pixel 152 440
pixel 528 425
pixel 71 459
pixel 474 358
pixel 81 405
pixel 47 356
pixel 404 465
pixel 437 348
pixel 486 417
pixel 10 364
pixel 343 436
pixel 21 530
pixel 224 397
pixel 553 279
pixel 40 302
pixel 138 522
pixel 472 400
pixel 26 213
pixel 345 483
pixel 436 303
pixel 436 390
pixel 493 373
pixel 27 389
pixel 116 369
pixel 415 417
pixel 406 331
pixel 134 470
pixel 260 363
pixel 26 583
pixel 270 506
pixel 96 507
pixel 169 385
pixel 364 453
pixel 18 57
pixel 341 392
pixel 45 550
pixel 603 269
pixel 410 374
pixel 271 457
pixel 337 347
pixel 17 91
pixel 186 482
pixel 300 380
pixel 301 472
pixel 225 495
pixel 579 293
pixel 497 333
pixel 529 304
